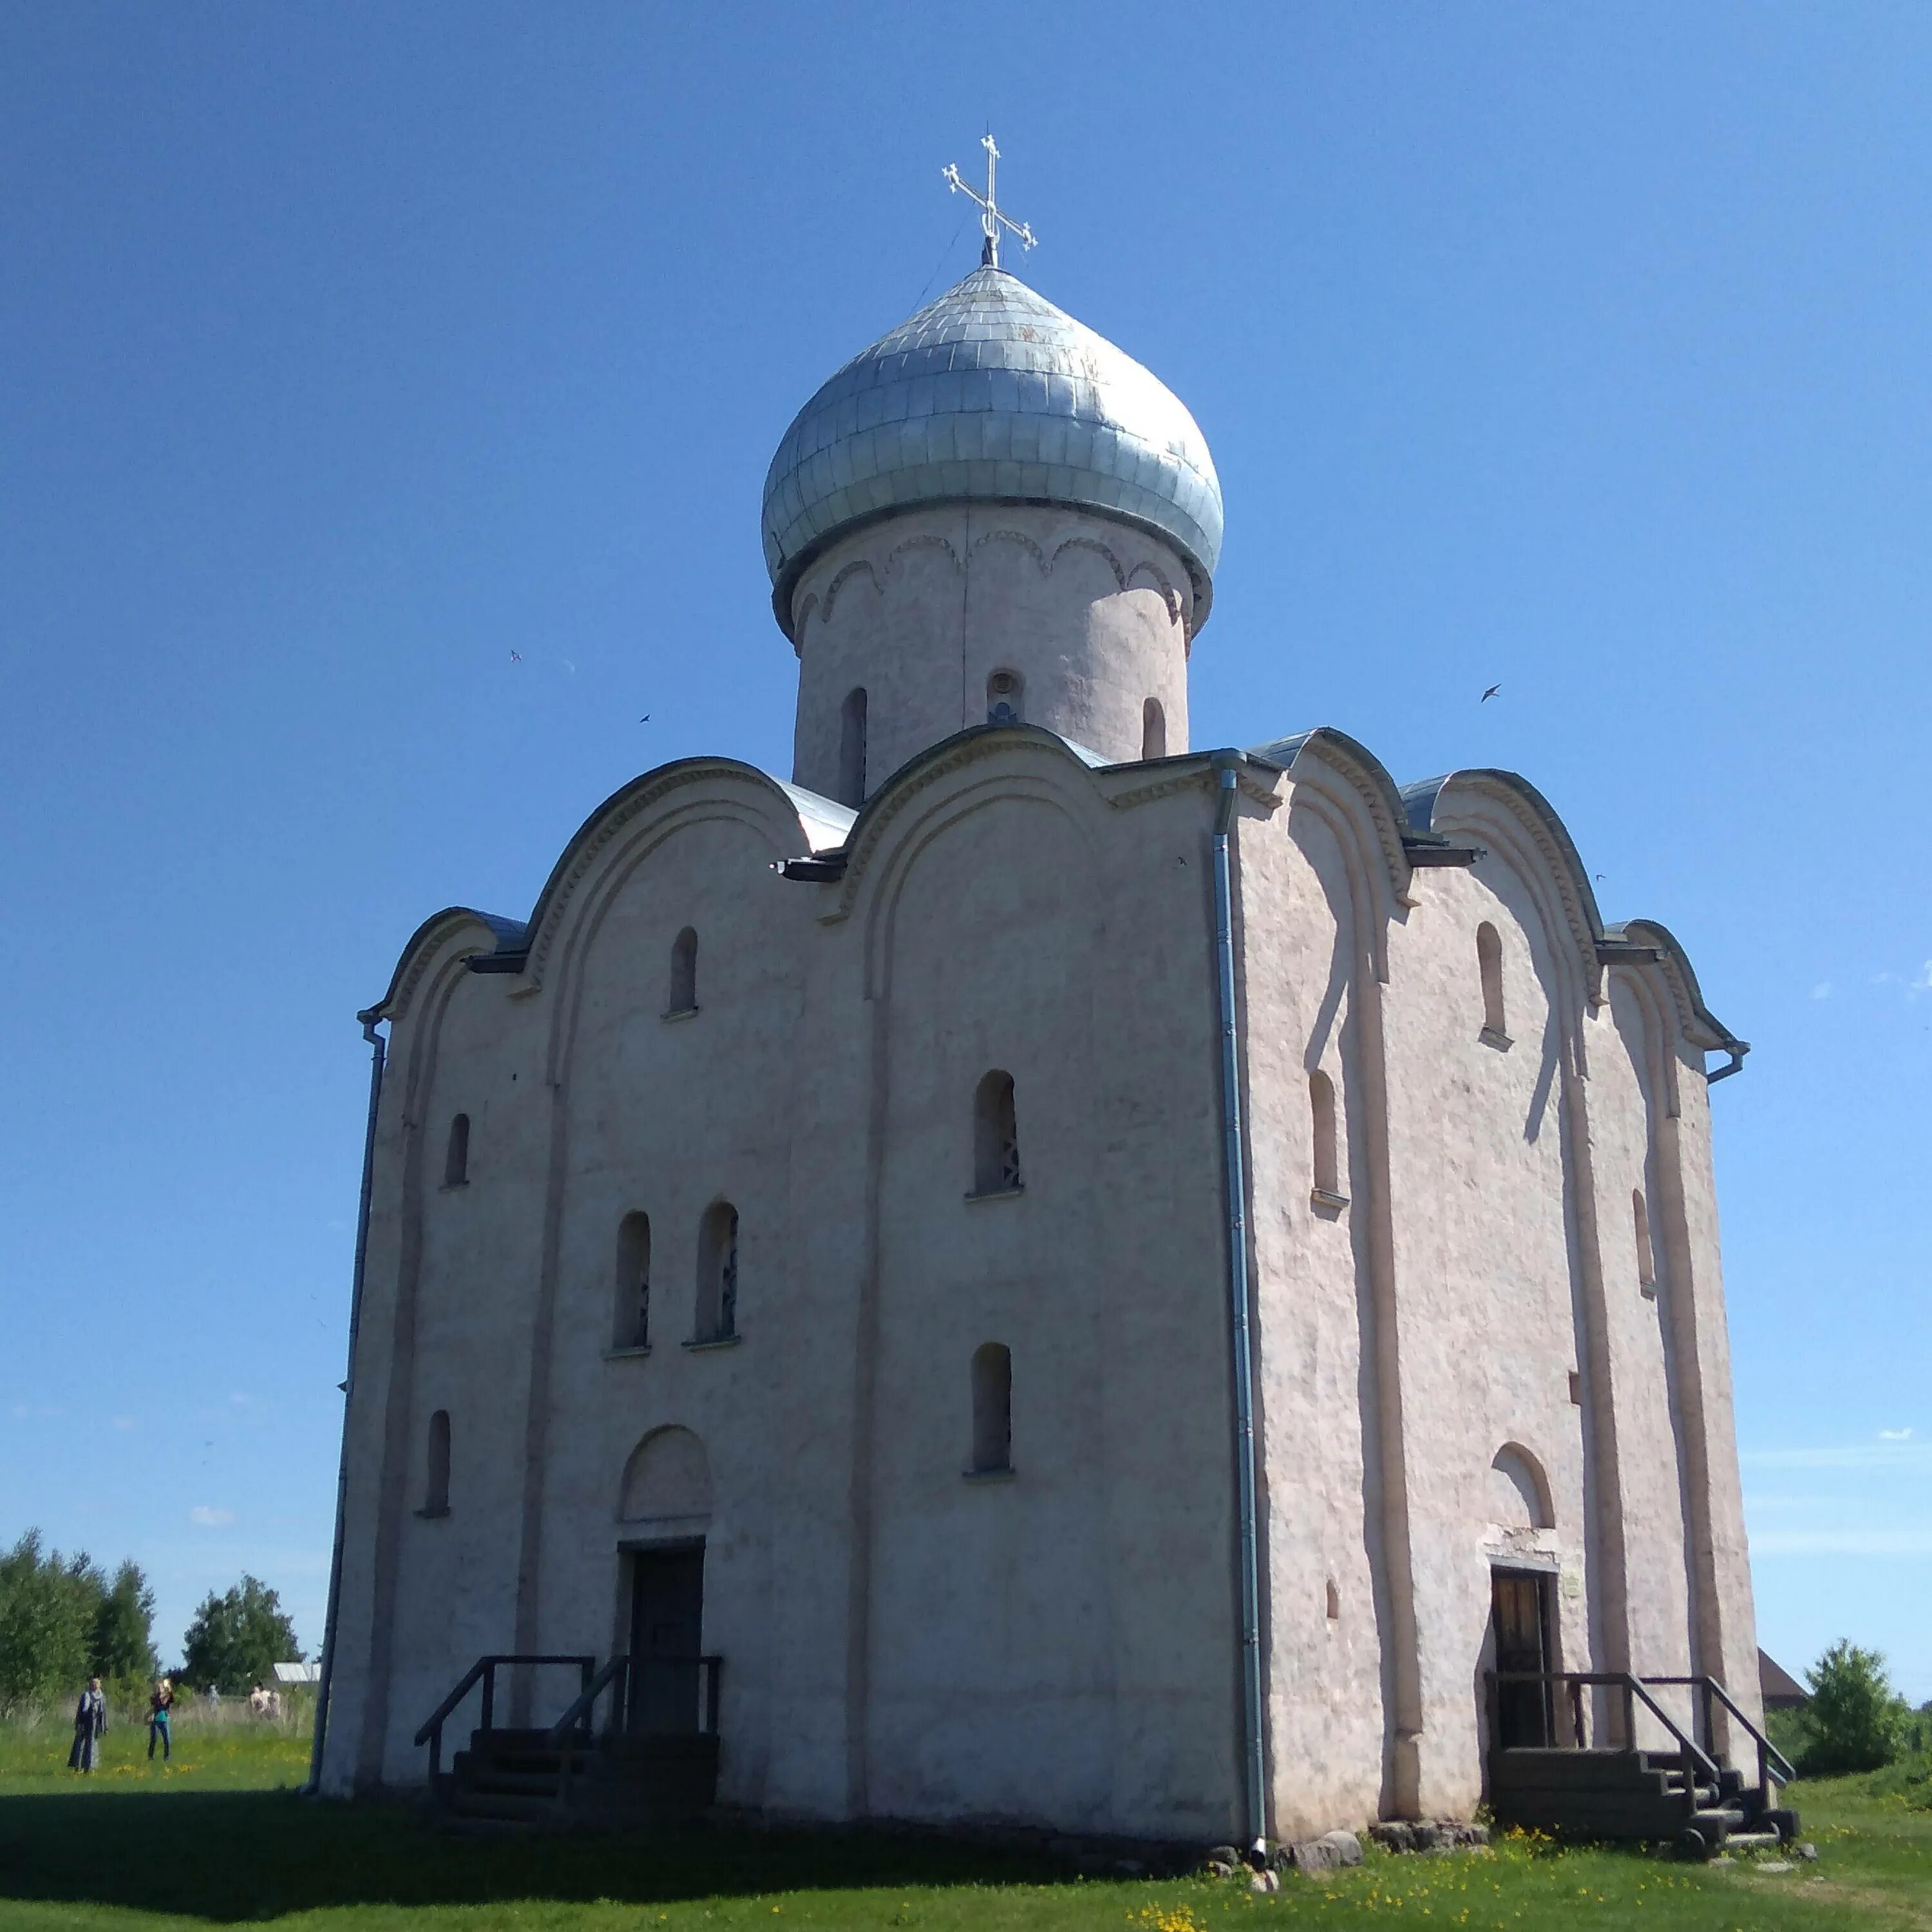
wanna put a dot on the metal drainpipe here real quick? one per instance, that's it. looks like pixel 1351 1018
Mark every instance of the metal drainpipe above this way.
pixel 1255 1747
pixel 378 1055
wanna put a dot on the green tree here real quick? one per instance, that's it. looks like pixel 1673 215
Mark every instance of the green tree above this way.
pixel 123 1641
pixel 1855 1720
pixel 49 1607
pixel 236 1637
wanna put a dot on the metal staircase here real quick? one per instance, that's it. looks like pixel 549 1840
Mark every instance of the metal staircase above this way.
pixel 1560 1781
pixel 655 1761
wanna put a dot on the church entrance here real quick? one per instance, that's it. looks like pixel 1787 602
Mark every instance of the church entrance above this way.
pixel 1519 1618
pixel 667 1630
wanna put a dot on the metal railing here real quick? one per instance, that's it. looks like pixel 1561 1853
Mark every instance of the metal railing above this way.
pixel 484 1668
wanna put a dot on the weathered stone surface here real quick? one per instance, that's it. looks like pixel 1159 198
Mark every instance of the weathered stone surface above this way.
pixel 1263 1881
pixel 1329 1852
pixel 1006 903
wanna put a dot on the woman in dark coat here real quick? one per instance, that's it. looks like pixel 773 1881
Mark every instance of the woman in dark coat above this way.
pixel 90 1720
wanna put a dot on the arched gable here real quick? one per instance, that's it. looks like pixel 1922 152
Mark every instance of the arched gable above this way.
pixel 496 937
pixel 1432 807
pixel 870 834
pixel 813 823
pixel 1701 1028
pixel 1366 775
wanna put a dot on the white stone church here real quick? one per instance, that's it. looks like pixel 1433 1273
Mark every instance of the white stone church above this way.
pixel 1031 1273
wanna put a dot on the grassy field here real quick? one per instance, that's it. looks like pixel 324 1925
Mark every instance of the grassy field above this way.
pixel 220 1838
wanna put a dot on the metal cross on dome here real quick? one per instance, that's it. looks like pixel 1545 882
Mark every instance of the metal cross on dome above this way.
pixel 992 219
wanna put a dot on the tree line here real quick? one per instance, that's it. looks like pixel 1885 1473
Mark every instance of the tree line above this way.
pixel 64 1619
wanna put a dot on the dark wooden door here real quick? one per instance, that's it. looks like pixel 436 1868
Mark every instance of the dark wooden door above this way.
pixel 667 1633
pixel 1519 1614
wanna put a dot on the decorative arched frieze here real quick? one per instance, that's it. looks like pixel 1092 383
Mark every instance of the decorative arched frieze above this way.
pixel 1025 542
pixel 1095 547
pixel 926 540
pixel 855 568
pixel 1199 775
pixel 1168 595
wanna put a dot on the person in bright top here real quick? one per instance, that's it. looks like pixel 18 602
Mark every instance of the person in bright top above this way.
pixel 160 1702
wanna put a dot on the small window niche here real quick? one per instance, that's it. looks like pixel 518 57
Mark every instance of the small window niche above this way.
pixel 1325 1195
pixel 683 976
pixel 1153 730
pixel 1333 1604
pixel 630 1330
pixel 1646 1253
pixel 1489 969
pixel 996 1139
pixel 717 1313
pixel 1006 698
pixel 852 748
pixel 456 1153
pixel 436 1484
pixel 992 1412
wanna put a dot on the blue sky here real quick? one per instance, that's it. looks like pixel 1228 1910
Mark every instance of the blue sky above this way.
pixel 345 350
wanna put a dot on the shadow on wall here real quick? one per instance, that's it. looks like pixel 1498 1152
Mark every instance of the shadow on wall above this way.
pixel 285 1854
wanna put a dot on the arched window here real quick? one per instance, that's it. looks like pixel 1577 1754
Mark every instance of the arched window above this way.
pixel 1153 730
pixel 1490 965
pixel 436 1486
pixel 1322 1124
pixel 456 1158
pixel 683 974
pixel 1646 1254
pixel 852 748
pixel 996 1136
pixel 632 1327
pixel 1006 691
pixel 718 1273
pixel 992 1410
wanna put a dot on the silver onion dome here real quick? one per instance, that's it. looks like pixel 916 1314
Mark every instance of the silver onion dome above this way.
pixel 990 394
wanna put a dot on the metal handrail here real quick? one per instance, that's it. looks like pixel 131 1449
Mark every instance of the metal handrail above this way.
pixel 1770 1759
pixel 430 1732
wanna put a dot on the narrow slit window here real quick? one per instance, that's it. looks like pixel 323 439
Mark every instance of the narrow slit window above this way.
pixel 1646 1254
pixel 1006 692
pixel 684 973
pixel 436 1486
pixel 718 1274
pixel 996 1136
pixel 992 1410
pixel 632 1328
pixel 456 1157
pixel 1153 730
pixel 852 748
pixel 1489 966
pixel 1321 1123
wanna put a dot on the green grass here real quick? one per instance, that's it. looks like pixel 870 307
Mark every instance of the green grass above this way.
pixel 223 1839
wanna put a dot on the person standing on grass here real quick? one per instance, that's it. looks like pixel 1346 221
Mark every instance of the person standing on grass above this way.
pixel 90 1720
pixel 159 1705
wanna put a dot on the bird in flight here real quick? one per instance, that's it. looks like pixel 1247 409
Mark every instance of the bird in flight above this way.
pixel 516 657
pixel 646 719
pixel 1490 694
